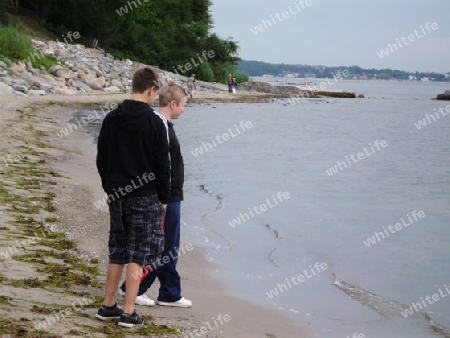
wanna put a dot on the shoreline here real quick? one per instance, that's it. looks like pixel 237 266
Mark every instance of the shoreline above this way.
pixel 70 164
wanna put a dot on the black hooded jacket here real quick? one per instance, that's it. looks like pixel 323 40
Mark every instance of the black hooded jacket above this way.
pixel 133 153
pixel 177 166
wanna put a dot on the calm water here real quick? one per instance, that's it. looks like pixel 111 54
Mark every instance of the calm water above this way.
pixel 327 218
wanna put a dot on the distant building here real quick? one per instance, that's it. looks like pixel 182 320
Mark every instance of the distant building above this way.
pixel 290 75
pixel 267 75
pixel 310 75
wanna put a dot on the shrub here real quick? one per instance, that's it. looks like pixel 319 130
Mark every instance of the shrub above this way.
pixel 204 72
pixel 46 60
pixel 17 46
pixel 14 44
pixel 240 77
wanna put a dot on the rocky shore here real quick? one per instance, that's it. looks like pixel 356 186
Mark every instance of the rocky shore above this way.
pixel 294 91
pixel 81 70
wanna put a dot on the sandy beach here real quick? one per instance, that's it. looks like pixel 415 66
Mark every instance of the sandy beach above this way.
pixel 54 240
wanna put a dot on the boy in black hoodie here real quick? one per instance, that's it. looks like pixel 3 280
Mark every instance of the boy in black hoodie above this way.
pixel 134 166
pixel 172 100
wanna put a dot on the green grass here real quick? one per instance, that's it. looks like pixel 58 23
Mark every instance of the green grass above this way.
pixel 45 60
pixel 17 46
pixel 14 44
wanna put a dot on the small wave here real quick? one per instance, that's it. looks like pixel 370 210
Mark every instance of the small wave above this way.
pixel 386 308
pixel 209 224
pixel 271 259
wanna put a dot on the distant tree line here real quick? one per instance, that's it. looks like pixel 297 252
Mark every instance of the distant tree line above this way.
pixel 165 33
pixel 259 68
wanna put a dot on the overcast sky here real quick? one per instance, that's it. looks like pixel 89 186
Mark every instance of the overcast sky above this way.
pixel 339 32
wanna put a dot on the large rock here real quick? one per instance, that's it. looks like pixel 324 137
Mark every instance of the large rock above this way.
pixel 265 87
pixel 36 92
pixel 38 82
pixel 82 87
pixel 64 91
pixel 95 84
pixel 3 65
pixel 5 89
pixel 52 70
pixel 445 96
pixel 20 85
pixel 18 67
pixel 50 79
pixel 117 83
pixel 112 89
pixel 8 80
pixel 66 74
pixel 89 75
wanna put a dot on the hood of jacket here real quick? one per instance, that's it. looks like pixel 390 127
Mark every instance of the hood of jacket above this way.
pixel 130 115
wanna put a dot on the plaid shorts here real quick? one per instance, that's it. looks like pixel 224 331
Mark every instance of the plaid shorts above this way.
pixel 136 234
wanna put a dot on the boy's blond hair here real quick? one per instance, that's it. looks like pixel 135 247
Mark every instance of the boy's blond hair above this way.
pixel 171 92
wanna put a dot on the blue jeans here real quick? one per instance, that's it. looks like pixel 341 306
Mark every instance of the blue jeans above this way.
pixel 166 272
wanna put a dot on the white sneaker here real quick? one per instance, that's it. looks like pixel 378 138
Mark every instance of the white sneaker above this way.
pixel 144 300
pixel 179 303
pixel 140 300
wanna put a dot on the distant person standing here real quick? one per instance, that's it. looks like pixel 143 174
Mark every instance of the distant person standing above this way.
pixel 230 83
pixel 234 85
pixel 191 85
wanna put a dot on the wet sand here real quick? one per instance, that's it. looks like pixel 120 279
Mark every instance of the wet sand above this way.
pixel 69 180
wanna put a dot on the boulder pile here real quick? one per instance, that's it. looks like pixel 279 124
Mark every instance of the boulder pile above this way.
pixel 80 70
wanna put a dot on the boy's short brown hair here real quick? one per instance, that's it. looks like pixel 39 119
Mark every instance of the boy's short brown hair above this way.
pixel 171 92
pixel 144 79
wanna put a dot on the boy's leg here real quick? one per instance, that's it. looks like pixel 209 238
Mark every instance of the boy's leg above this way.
pixel 148 280
pixel 133 270
pixel 144 215
pixel 118 256
pixel 146 283
pixel 170 290
pixel 112 279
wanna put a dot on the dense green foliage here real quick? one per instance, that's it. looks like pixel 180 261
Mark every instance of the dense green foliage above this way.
pixel 16 46
pixel 240 76
pixel 258 68
pixel 165 33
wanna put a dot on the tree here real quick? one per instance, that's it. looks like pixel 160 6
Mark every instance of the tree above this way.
pixel 162 33
pixel 225 55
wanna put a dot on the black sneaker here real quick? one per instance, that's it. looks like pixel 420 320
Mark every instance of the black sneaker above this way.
pixel 107 313
pixel 129 321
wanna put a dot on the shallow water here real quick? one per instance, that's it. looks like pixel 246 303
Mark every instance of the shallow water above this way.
pixel 326 219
